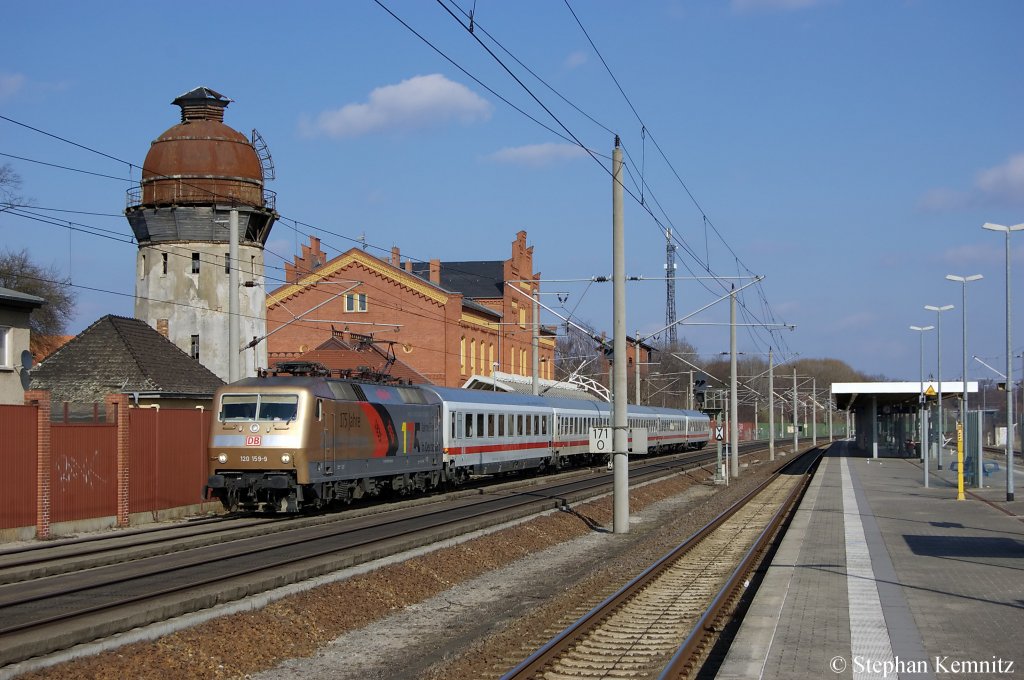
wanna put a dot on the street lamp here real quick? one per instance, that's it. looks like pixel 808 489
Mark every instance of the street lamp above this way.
pixel 938 350
pixel 920 405
pixel 964 280
pixel 1009 359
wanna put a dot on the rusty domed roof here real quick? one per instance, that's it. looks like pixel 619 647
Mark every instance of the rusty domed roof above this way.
pixel 201 160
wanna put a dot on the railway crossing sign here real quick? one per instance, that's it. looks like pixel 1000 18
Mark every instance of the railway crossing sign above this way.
pixel 719 433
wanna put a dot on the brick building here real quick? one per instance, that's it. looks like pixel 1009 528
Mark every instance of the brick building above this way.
pixel 449 320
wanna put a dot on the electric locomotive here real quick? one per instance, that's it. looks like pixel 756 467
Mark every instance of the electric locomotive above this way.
pixel 284 442
pixel 281 443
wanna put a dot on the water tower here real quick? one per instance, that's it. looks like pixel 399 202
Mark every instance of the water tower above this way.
pixel 194 175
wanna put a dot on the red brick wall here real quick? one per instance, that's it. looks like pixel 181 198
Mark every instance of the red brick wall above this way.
pixel 423 331
pixel 430 332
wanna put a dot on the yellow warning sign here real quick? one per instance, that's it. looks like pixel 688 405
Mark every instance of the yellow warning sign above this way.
pixel 930 391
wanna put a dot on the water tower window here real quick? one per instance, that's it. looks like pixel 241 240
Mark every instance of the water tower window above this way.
pixel 195 263
pixel 227 263
pixel 163 264
pixel 194 352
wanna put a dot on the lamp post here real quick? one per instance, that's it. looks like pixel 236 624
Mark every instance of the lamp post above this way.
pixel 938 351
pixel 964 280
pixel 920 405
pixel 1009 359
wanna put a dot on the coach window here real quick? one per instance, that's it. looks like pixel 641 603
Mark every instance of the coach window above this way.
pixel 529 425
pixel 451 424
pixel 501 424
pixel 490 424
pixel 544 425
pixel 480 425
pixel 469 425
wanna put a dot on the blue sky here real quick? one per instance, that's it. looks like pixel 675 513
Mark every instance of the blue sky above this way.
pixel 848 151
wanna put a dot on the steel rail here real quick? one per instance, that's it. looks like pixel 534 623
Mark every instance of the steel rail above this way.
pixel 687 658
pixel 551 498
pixel 553 649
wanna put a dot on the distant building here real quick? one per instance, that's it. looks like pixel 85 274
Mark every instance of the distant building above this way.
pixel 15 358
pixel 123 356
pixel 194 174
pixel 449 320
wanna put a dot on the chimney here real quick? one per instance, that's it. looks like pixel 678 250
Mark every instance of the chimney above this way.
pixel 435 272
pixel 161 327
pixel 396 259
pixel 202 103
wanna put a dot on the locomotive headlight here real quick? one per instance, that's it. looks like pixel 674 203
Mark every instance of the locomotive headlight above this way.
pixel 286 458
pixel 222 458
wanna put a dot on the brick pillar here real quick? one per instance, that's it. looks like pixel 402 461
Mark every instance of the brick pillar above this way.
pixel 117 409
pixel 44 498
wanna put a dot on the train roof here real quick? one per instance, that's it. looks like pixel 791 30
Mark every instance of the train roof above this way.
pixel 384 393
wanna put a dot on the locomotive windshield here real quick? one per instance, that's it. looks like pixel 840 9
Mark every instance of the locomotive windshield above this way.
pixel 259 407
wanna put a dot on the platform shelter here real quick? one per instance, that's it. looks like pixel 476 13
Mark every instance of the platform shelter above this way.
pixel 886 413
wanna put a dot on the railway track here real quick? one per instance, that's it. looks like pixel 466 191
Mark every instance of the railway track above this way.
pixel 42 615
pixel 660 623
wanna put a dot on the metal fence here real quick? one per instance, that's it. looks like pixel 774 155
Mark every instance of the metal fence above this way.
pixel 18 462
pixel 167 458
pixel 83 471
pixel 164 465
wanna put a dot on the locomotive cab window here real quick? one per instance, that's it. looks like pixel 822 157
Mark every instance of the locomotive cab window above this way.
pixel 238 407
pixel 279 407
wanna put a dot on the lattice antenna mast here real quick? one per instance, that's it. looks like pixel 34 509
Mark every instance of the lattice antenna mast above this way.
pixel 670 287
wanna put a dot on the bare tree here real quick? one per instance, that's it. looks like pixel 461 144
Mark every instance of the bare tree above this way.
pixel 577 353
pixel 18 272
pixel 10 186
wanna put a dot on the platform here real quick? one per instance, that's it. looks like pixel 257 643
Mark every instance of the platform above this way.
pixel 881 577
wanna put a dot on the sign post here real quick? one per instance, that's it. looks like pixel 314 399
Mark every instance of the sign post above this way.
pixel 721 472
pixel 960 462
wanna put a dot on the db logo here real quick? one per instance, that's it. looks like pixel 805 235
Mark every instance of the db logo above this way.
pixel 254 440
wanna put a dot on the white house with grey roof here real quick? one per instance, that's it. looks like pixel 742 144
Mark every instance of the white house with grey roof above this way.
pixel 15 357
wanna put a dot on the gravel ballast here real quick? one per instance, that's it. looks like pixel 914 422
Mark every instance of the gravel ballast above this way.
pixel 471 610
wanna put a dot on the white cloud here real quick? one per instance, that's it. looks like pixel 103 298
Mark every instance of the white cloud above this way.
pixel 10 83
pixel 419 102
pixel 575 60
pixel 537 155
pixel 1004 182
pixel 1000 185
pixel 745 6
pixel 942 200
pixel 973 254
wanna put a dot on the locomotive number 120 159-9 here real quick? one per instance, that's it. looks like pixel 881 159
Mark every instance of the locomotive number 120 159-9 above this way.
pixel 254 459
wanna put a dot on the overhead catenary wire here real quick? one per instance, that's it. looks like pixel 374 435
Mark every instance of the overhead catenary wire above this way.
pixel 644 132
pixel 644 199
